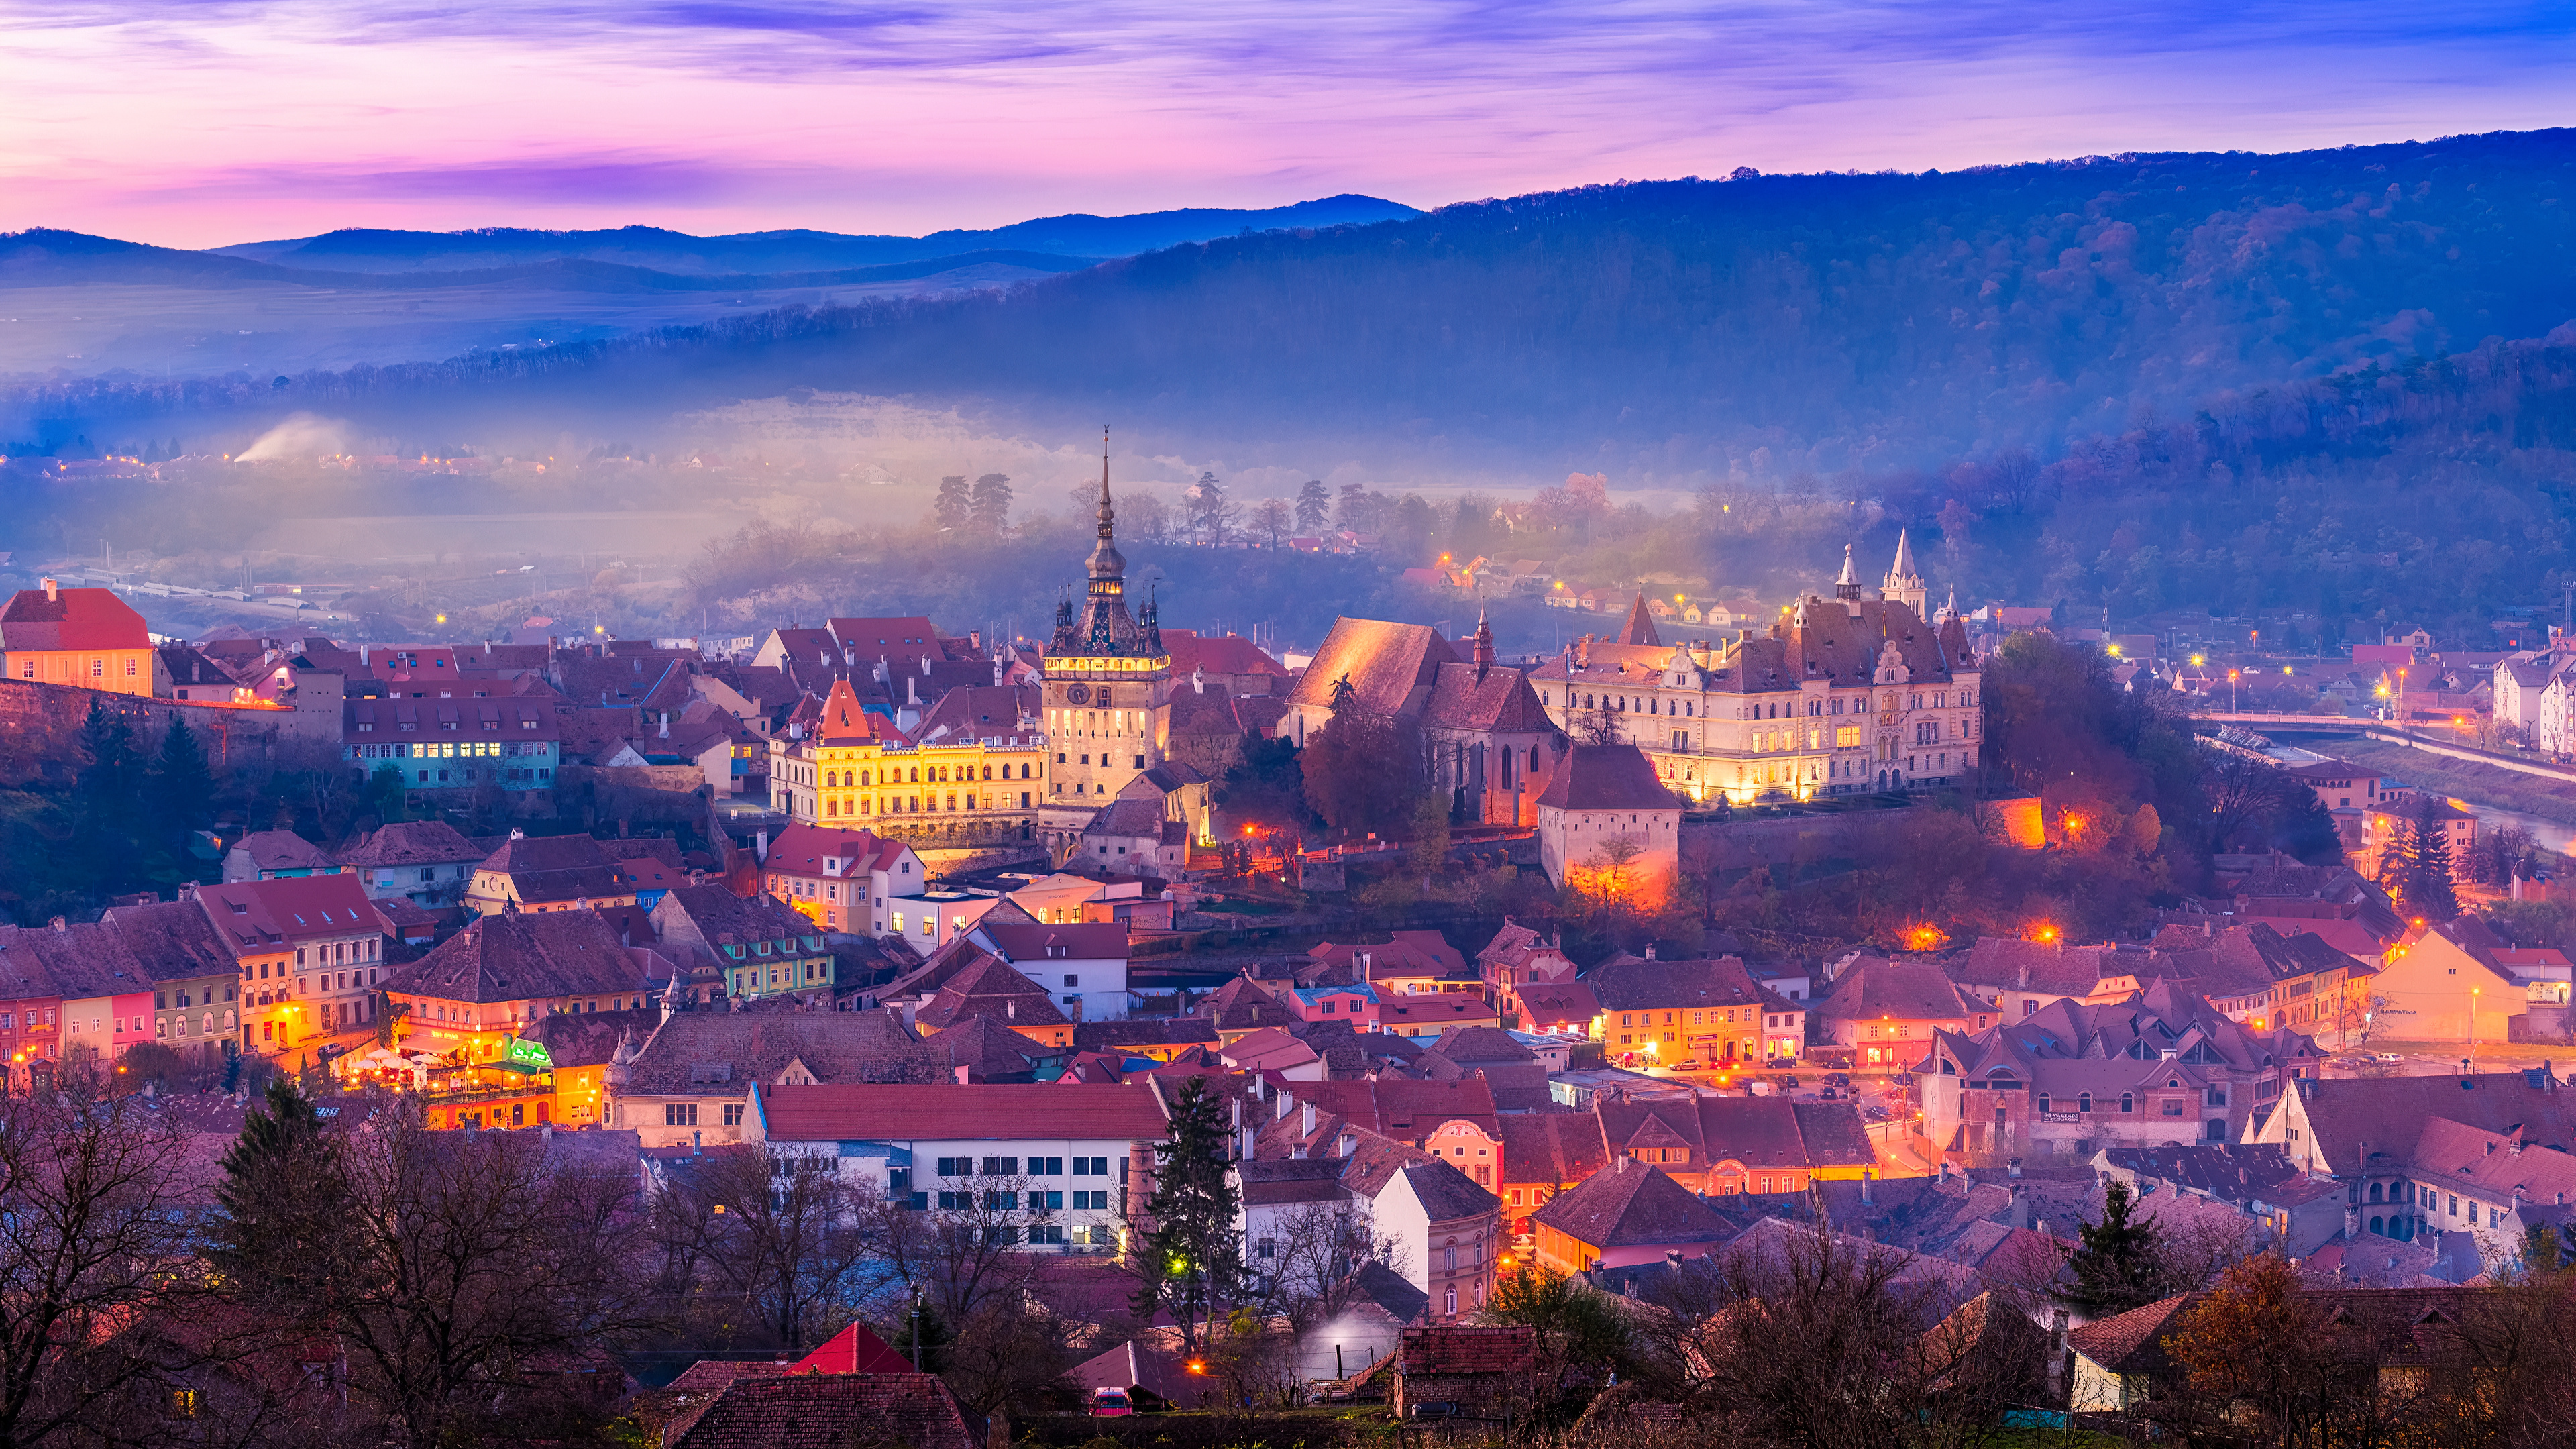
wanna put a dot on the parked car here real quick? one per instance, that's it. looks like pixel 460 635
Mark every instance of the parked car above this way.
pixel 2389 1057
pixel 1110 1404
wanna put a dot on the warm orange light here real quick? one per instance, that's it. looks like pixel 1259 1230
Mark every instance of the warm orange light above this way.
pixel 2040 931
pixel 1924 938
pixel 1198 1365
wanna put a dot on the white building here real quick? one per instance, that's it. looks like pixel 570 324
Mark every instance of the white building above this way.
pixel 1069 1157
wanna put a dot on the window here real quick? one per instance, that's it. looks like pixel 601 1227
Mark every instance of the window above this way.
pixel 1001 1167
pixel 2173 1106
pixel 2128 1102
pixel 956 1201
pixel 733 1114
pixel 1082 1166
pixel 679 1114
pixel 1046 1167
pixel 1091 1201
pixel 1002 1201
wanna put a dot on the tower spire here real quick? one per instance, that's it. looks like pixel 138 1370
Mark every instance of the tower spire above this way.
pixel 1484 640
pixel 1108 515
pixel 1847 587
pixel 1904 585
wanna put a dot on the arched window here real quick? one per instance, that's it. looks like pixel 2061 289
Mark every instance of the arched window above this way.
pixel 2128 1102
pixel 2043 1102
pixel 2084 1102
pixel 2374 1197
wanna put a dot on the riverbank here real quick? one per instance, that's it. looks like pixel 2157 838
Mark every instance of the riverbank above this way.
pixel 2479 784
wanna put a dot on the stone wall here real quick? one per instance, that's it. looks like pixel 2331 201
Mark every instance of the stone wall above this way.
pixel 40 728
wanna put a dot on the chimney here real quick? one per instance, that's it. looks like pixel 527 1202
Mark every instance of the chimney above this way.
pixel 1308 1121
pixel 1011 1010
pixel 2056 1352
pixel 961 1074
pixel 666 724
pixel 1673 1257
pixel 2025 977
pixel 1650 950
pixel 1350 1144
pixel 760 846
pixel 2012 1167
pixel 57 924
pixel 697 1143
pixel 53 592
pixel 1864 1188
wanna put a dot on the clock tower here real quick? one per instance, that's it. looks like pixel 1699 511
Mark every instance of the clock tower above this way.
pixel 1108 692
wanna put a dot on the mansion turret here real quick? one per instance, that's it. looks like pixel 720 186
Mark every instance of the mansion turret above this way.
pixel 1841 696
pixel 1108 693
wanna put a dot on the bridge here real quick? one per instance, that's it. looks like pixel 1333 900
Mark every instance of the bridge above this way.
pixel 2392 734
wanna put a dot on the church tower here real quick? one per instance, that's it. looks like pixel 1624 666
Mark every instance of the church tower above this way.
pixel 1904 585
pixel 1108 691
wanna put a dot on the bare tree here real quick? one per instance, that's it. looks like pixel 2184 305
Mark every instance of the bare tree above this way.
pixel 967 1249
pixel 91 1231
pixel 1271 517
pixel 781 1235
pixel 1306 1266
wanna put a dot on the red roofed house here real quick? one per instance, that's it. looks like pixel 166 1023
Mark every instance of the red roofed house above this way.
pixel 309 948
pixel 1626 1213
pixel 86 638
pixel 1887 1011
pixel 1472 1373
pixel 847 880
pixel 824 1411
pixel 1068 1159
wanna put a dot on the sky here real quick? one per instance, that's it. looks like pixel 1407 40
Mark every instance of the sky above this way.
pixel 204 122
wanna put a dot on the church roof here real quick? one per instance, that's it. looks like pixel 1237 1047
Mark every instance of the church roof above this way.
pixel 1640 628
pixel 1385 662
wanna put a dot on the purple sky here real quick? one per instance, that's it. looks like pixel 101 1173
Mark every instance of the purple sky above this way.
pixel 213 121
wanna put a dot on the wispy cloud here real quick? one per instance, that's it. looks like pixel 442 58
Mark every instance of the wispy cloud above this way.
pixel 212 121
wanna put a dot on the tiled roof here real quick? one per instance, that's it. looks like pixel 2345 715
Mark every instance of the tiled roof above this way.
pixel 988 1050
pixel 722 918
pixel 992 989
pixel 1241 1005
pixel 1495 697
pixel 1443 1349
pixel 1229 654
pixel 1104 1036
pixel 412 842
pixel 1407 1111
pixel 174 940
pixel 1387 665
pixel 1833 1134
pixel 1901 990
pixel 819 1411
pixel 1607 777
pixel 73 619
pixel 1475 1046
pixel 1003 1112
pixel 1556 1148
pixel 1445 1193
pixel 1632 1204
pixel 2130 1342
pixel 283 850
pixel 1633 985
pixel 1434 1009
pixel 720 1053
pixel 1549 1002
pixel 521 956
pixel 258 915
pixel 803 849
pixel 2389 1115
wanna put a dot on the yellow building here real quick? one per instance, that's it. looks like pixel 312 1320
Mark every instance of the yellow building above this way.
pixel 850 769
pixel 86 638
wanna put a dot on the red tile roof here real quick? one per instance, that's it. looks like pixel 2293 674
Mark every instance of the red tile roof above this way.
pixel 822 1411
pixel 73 619
pixel 1446 1350
pixel 258 915
pixel 853 1350
pixel 1607 777
pixel 999 1112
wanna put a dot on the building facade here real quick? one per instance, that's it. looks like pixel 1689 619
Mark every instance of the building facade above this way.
pixel 853 769
pixel 86 638
pixel 1842 696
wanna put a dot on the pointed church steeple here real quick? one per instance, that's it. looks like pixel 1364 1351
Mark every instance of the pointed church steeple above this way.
pixel 1904 585
pixel 1484 641
pixel 1847 587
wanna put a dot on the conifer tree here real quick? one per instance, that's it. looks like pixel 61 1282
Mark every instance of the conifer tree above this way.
pixel 1314 505
pixel 991 503
pixel 955 504
pixel 1192 1260
pixel 277 1192
pixel 2429 891
pixel 182 784
pixel 2119 1265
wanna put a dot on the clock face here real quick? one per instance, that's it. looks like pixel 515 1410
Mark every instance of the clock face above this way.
pixel 1077 694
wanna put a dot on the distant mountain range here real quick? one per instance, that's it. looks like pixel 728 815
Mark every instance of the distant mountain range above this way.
pixel 45 258
pixel 772 252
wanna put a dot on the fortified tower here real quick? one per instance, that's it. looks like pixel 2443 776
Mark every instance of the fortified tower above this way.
pixel 1108 691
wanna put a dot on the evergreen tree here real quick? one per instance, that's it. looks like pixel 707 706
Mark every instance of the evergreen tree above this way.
pixel 991 502
pixel 182 784
pixel 2120 1264
pixel 955 505
pixel 1314 505
pixel 277 1195
pixel 107 798
pixel 1192 1260
pixel 2428 892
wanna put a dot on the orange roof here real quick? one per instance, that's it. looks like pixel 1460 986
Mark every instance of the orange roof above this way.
pixel 845 723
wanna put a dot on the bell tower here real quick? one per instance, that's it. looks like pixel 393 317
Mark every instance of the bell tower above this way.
pixel 1108 686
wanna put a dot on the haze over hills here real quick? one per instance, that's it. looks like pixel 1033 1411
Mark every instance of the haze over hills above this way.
pixel 1080 235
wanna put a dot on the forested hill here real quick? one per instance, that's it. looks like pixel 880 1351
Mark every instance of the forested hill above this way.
pixel 1671 331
